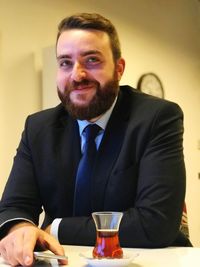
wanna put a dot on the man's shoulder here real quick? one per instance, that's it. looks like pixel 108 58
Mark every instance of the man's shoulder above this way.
pixel 145 103
pixel 136 95
pixel 48 116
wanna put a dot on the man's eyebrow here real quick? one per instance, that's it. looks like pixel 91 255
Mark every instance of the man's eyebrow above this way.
pixel 91 52
pixel 63 56
pixel 84 53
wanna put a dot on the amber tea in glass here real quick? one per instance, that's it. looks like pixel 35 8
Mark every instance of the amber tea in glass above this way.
pixel 107 241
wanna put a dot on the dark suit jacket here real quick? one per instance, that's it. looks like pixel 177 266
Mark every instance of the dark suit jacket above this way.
pixel 139 170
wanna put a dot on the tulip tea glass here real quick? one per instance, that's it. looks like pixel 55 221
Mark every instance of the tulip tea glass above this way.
pixel 107 240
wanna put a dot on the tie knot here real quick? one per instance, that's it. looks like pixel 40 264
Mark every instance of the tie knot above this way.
pixel 91 131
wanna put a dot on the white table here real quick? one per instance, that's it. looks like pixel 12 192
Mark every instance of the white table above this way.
pixel 167 257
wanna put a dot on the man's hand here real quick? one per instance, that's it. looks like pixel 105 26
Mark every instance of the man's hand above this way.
pixel 48 229
pixel 18 246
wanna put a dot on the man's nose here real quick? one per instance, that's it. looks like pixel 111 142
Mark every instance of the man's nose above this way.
pixel 78 72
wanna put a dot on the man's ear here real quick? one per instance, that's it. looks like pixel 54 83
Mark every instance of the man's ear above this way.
pixel 120 66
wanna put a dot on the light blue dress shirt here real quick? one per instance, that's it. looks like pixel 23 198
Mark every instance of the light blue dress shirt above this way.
pixel 102 122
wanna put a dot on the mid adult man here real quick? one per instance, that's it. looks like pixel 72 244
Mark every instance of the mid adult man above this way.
pixel 138 167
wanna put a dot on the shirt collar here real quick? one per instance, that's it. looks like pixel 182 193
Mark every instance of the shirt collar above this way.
pixel 102 121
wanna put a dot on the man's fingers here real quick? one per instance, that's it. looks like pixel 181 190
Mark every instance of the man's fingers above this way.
pixel 54 246
pixel 8 250
pixel 15 251
pixel 44 240
pixel 29 241
pixel 18 246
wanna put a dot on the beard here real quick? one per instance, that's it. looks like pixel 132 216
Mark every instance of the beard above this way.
pixel 99 104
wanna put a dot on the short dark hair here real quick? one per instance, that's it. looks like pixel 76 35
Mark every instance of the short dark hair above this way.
pixel 92 21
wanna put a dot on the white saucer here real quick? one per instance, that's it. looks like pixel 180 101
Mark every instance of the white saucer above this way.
pixel 127 259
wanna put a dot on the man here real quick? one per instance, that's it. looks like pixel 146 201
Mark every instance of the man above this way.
pixel 138 169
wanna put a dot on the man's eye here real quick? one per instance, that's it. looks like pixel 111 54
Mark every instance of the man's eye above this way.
pixel 93 60
pixel 65 63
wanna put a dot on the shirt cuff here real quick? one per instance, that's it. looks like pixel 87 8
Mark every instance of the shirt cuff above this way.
pixel 54 227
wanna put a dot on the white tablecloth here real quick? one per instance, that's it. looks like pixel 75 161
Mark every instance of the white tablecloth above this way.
pixel 167 257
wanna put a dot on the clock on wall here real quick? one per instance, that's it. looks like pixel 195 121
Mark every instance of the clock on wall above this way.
pixel 150 83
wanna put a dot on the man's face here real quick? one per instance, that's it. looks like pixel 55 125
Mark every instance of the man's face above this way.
pixel 87 77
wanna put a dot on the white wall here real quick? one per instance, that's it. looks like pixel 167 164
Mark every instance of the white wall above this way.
pixel 156 35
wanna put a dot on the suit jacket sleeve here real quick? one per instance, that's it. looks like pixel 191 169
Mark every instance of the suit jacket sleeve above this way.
pixel 21 199
pixel 43 172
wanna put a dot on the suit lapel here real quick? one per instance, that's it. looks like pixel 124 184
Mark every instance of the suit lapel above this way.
pixel 109 150
pixel 67 154
pixel 71 143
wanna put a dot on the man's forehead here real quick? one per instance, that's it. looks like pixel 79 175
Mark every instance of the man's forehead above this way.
pixel 84 41
pixel 83 36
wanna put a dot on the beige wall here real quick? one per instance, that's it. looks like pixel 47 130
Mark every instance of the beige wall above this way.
pixel 162 36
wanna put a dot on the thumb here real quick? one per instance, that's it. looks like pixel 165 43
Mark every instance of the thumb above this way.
pixel 28 260
pixel 55 247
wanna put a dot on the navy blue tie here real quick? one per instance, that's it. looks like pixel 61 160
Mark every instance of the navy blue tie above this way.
pixel 82 197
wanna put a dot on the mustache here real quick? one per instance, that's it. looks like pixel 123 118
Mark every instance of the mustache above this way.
pixel 84 82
